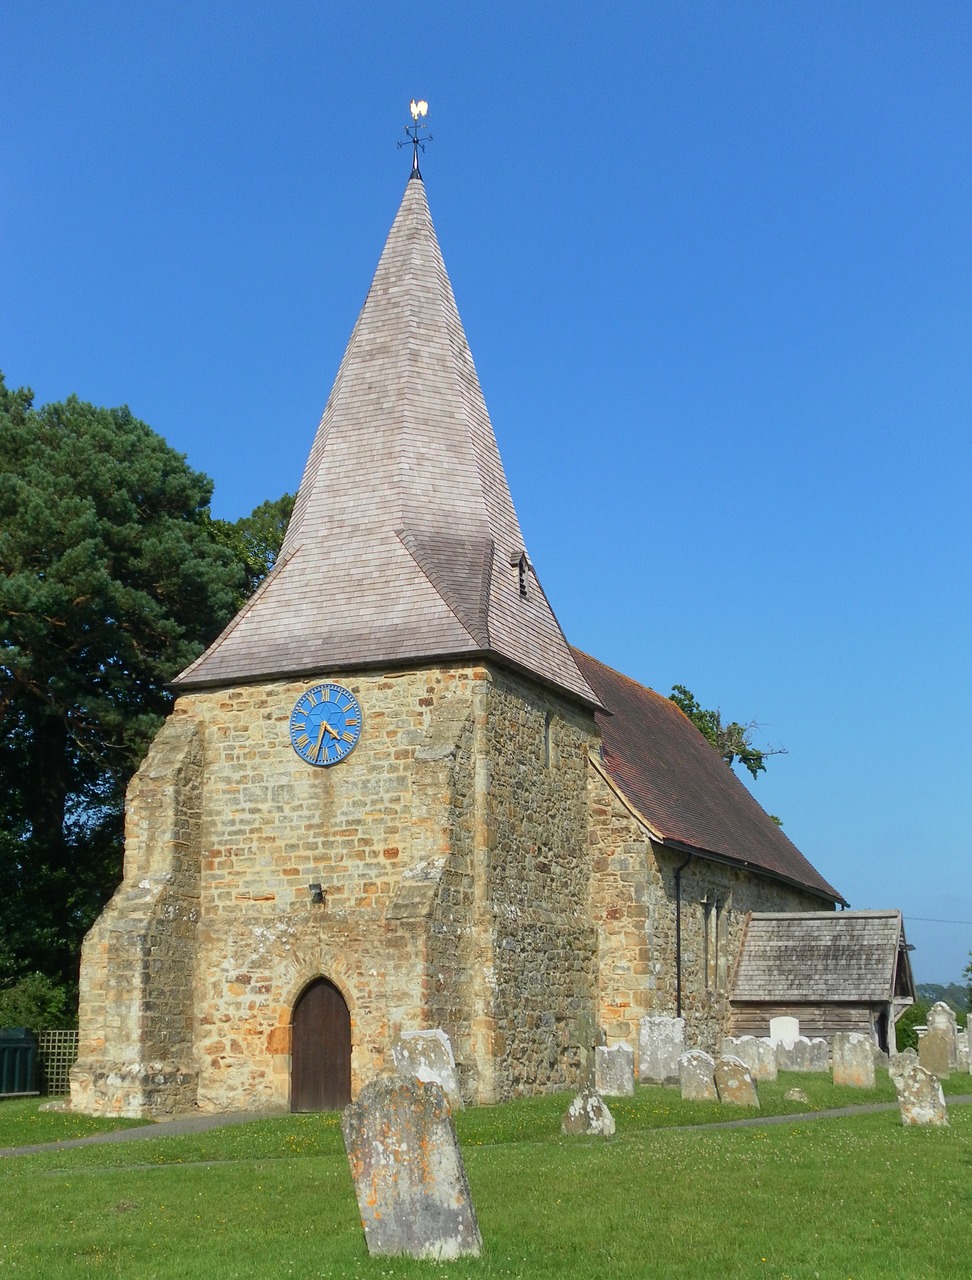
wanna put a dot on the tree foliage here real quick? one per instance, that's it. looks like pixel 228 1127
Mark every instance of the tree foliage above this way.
pixel 255 540
pixel 916 1015
pixel 110 582
pixel 733 741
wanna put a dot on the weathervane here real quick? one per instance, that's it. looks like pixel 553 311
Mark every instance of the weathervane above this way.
pixel 419 110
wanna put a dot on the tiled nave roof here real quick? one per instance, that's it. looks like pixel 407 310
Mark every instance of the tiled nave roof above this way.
pixel 674 779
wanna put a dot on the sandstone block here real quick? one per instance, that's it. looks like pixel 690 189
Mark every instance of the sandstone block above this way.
pixel 408 1174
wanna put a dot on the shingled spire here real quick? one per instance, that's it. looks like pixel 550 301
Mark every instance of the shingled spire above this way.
pixel 404 545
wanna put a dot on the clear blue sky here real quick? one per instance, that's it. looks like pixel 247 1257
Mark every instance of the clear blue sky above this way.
pixel 715 265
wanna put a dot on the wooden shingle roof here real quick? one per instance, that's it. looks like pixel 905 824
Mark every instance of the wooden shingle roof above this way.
pixel 404 545
pixel 814 957
pixel 682 787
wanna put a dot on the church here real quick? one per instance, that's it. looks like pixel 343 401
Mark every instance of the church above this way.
pixel 390 796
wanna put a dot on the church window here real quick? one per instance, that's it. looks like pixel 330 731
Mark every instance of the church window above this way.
pixel 522 569
pixel 548 745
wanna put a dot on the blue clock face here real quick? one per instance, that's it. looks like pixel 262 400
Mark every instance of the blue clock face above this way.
pixel 325 724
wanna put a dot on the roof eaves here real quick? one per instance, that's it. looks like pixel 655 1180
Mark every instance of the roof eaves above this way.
pixel 709 855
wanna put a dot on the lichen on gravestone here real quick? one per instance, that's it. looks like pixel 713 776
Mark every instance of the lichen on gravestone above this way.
pixel 696 1076
pixel 427 1055
pixel 588 1115
pixel 409 1178
pixel 734 1083
pixel 920 1097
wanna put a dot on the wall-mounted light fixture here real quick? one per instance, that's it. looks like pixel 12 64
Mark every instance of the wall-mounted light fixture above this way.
pixel 317 894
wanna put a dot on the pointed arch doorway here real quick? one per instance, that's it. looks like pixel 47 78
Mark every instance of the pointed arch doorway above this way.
pixel 320 1061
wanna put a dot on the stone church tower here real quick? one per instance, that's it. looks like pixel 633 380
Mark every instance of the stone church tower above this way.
pixel 367 812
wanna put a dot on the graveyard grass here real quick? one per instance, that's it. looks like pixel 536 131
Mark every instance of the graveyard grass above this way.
pixel 857 1197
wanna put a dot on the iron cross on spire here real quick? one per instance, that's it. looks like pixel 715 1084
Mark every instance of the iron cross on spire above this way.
pixel 419 110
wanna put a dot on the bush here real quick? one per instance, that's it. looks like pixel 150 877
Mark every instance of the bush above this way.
pixel 916 1015
pixel 37 1002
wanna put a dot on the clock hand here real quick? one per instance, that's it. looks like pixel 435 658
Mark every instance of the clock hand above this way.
pixel 320 739
pixel 333 732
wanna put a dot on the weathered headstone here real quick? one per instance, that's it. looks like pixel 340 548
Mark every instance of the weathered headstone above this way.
pixel 796 1095
pixel 784 1030
pixel 803 1054
pixel 853 1059
pixel 901 1062
pixel 661 1043
pixel 920 1097
pixel 759 1054
pixel 734 1084
pixel 941 1018
pixel 935 1052
pixel 696 1076
pixel 588 1114
pixel 427 1055
pixel 614 1071
pixel 963 1051
pixel 408 1174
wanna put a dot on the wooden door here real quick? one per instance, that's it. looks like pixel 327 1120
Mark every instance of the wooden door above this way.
pixel 320 1063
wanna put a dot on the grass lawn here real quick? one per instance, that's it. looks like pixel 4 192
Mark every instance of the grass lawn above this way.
pixel 851 1197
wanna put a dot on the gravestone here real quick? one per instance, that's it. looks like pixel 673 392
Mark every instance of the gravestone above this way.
pixel 784 1030
pixel 759 1054
pixel 902 1062
pixel 408 1174
pixel 963 1057
pixel 941 1018
pixel 427 1055
pixel 803 1054
pixel 661 1042
pixel 734 1084
pixel 920 1097
pixel 588 1115
pixel 853 1059
pixel 696 1076
pixel 935 1052
pixel 614 1071
pixel 796 1095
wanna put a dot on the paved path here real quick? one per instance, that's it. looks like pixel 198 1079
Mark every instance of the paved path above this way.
pixel 158 1129
pixel 199 1124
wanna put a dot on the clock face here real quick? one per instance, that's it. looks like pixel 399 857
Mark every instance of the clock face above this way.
pixel 325 724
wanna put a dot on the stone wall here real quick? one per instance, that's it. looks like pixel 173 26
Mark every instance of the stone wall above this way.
pixel 451 849
pixel 537 874
pixel 135 1046
pixel 633 900
pixel 376 831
